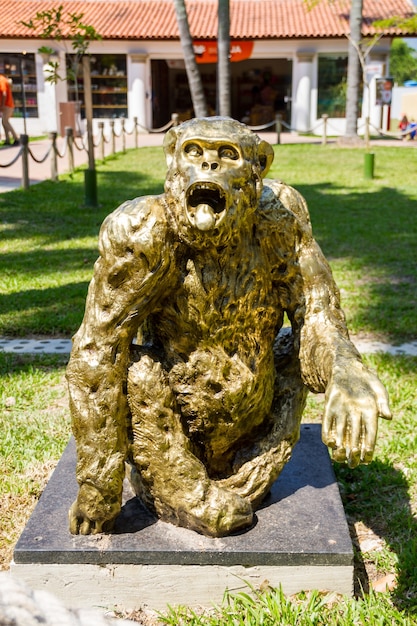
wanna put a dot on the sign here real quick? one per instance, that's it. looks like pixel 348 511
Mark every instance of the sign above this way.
pixel 206 51
pixel 383 93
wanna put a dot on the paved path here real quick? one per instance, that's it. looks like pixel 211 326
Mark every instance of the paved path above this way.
pixel 11 177
pixel 63 346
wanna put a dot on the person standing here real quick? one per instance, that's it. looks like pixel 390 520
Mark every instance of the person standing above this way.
pixel 6 109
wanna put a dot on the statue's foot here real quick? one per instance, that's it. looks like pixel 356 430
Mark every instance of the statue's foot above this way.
pixel 219 513
pixel 93 513
pixel 80 524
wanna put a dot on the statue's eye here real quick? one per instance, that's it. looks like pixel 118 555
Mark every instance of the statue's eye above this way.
pixel 193 149
pixel 228 152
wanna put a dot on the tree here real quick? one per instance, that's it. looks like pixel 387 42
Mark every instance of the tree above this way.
pixel 363 49
pixel 223 58
pixel 193 73
pixel 62 27
pixel 353 71
pixel 223 62
pixel 402 62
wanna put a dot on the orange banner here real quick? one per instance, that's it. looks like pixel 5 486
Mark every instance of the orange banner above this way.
pixel 206 51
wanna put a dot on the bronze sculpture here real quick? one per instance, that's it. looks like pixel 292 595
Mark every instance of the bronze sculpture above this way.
pixel 182 367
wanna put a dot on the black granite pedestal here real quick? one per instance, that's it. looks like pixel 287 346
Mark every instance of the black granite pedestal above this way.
pixel 300 540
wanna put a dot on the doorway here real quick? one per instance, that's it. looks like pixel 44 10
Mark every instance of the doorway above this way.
pixel 260 89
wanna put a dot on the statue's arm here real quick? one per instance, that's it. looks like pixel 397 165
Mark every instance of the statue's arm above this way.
pixel 355 397
pixel 129 274
pixel 308 292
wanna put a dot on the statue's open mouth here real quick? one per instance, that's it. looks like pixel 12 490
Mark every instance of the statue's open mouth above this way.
pixel 206 205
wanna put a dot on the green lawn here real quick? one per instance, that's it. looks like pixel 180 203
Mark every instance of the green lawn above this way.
pixel 368 231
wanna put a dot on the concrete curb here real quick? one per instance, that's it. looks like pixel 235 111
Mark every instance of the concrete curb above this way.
pixel 63 346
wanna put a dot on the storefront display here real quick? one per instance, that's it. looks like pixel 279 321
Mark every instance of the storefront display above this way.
pixel 21 71
pixel 108 85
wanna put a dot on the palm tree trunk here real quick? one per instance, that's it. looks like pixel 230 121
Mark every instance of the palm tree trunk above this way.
pixel 353 72
pixel 223 58
pixel 193 74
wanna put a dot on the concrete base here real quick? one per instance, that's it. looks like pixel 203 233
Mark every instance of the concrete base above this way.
pixel 300 541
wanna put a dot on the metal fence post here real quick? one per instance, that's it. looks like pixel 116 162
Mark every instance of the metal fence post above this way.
pixel 113 137
pixel 135 130
pixel 123 135
pixel 324 117
pixel 101 131
pixel 24 141
pixel 278 126
pixel 54 157
pixel 69 133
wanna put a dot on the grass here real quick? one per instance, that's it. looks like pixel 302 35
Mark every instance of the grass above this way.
pixel 271 607
pixel 366 228
pixel 49 243
pixel 368 231
pixel 34 428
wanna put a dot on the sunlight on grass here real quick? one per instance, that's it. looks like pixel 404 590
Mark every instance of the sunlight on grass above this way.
pixel 367 229
pixel 271 607
pixel 34 429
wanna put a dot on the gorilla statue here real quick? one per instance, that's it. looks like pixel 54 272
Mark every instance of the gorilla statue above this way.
pixel 211 313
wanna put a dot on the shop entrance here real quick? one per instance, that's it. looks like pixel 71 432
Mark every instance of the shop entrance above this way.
pixel 260 89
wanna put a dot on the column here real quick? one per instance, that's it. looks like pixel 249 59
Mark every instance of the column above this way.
pixel 136 100
pixel 302 79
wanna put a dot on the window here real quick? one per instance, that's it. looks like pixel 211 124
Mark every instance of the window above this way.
pixel 108 85
pixel 332 86
pixel 21 70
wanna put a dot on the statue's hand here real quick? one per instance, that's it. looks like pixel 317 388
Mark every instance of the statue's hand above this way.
pixel 355 398
pixel 91 513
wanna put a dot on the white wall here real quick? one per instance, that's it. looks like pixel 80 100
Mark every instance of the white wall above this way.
pixel 139 78
pixel 404 100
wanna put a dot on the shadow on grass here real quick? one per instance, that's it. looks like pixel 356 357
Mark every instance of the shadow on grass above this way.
pixel 50 310
pixel 377 495
pixel 55 212
pixel 372 234
pixel 51 220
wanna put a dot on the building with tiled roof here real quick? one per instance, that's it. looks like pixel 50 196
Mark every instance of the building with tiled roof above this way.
pixel 287 57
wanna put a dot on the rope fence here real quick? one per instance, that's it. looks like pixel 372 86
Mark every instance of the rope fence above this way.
pixel 108 136
pixel 278 125
pixel 323 127
pixel 72 143
pixel 409 133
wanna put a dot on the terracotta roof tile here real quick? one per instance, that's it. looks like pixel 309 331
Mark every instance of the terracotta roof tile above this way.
pixel 250 19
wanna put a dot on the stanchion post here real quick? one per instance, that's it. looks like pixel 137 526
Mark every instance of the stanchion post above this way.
pixel 54 156
pixel 175 119
pixel 69 133
pixel 324 117
pixel 101 132
pixel 135 130
pixel 24 142
pixel 369 164
pixel 123 135
pixel 278 126
pixel 90 188
pixel 90 174
pixel 113 137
